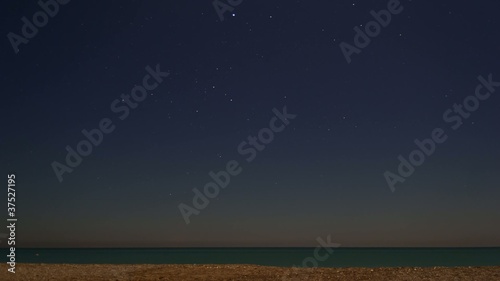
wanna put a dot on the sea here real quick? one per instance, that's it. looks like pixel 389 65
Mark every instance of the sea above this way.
pixel 287 257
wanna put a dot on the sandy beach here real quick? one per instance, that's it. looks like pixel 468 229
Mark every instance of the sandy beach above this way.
pixel 95 272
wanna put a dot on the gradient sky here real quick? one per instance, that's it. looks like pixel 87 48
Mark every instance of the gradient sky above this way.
pixel 324 174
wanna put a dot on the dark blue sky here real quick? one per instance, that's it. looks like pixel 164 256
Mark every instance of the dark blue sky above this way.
pixel 323 174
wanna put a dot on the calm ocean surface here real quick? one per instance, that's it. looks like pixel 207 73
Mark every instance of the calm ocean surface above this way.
pixel 341 257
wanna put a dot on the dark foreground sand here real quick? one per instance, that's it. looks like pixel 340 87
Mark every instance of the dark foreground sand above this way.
pixel 68 272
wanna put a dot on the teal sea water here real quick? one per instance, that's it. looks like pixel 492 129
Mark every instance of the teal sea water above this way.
pixel 341 257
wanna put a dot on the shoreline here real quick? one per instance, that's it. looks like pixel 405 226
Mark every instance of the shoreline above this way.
pixel 167 272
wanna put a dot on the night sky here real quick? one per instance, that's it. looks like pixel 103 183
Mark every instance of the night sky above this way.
pixel 323 173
